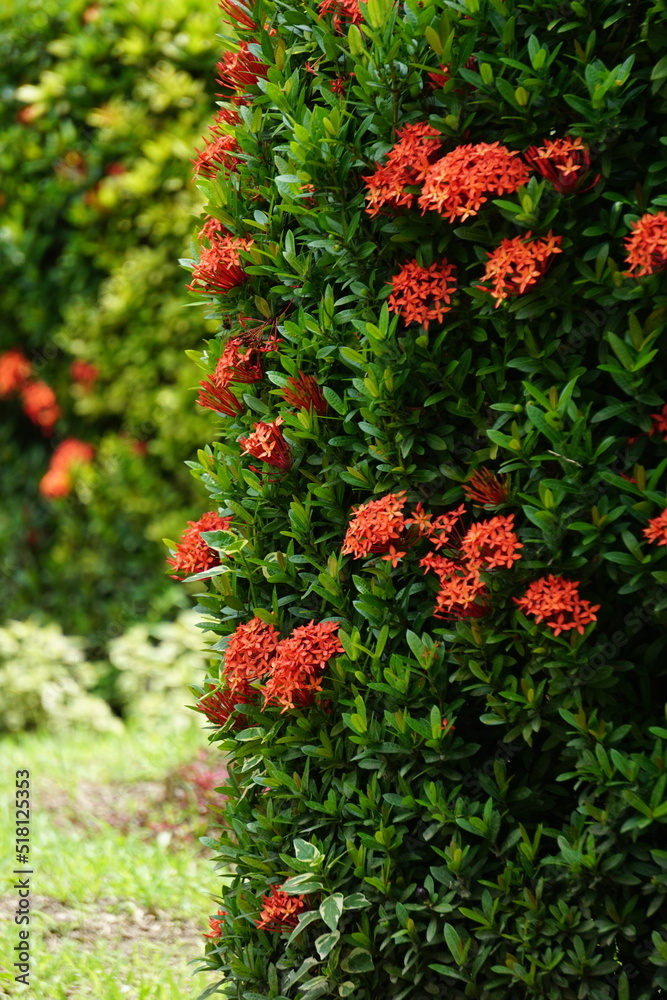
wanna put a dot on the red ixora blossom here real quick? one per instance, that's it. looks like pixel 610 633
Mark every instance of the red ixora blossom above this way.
pixel 304 392
pixel 215 924
pixel 518 263
pixel 375 526
pixel 344 12
pixel 239 362
pixel 459 183
pixel 84 374
pixel 564 162
pixel 442 527
pixel 300 660
pixel 656 530
pixel 646 246
pixel 237 14
pixel 239 70
pixel 462 592
pixel 219 268
pixel 216 154
pixel 249 653
pixel 280 911
pixel 40 405
pixel 556 601
pixel 57 481
pixel 192 554
pixel 483 488
pixel 407 163
pixel 15 370
pixel 423 294
pixel 220 705
pixel 267 443
pixel 218 398
pixel 492 544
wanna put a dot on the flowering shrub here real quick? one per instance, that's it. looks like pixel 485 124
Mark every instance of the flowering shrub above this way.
pixel 440 445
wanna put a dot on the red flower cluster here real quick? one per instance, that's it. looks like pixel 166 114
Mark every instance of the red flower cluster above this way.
pixel 15 370
pixel 344 12
pixel 462 593
pixel 556 601
pixel 40 405
pixel 249 654
pixel 491 544
pixel 646 246
pixel 423 294
pixel 219 706
pixel 268 444
pixel 280 911
pixel 304 393
pixel 237 71
pixel 84 374
pixel 658 424
pixel 192 554
pixel 484 489
pixel 564 162
pixel 218 152
pixel 300 660
pixel 215 923
pixel 57 482
pixel 237 14
pixel 656 530
pixel 459 183
pixel 219 268
pixel 240 362
pixel 518 263
pixel 375 526
pixel 406 165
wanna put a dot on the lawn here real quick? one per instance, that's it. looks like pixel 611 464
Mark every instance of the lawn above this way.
pixel 122 887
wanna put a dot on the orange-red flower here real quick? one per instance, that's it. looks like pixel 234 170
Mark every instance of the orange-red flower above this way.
pixel 407 163
pixel 375 526
pixel 57 481
pixel 462 592
pixel 280 911
pixel 483 488
pixel 218 152
pixel 15 370
pixel 192 554
pixel 84 374
pixel 421 520
pixel 215 924
pixel 219 268
pixel 492 544
pixel 304 392
pixel 237 71
pixel 656 530
pixel 220 705
pixel 300 660
pixel 239 362
pixel 556 601
pixel 423 294
pixel 344 12
pixel 458 184
pixel 441 528
pixel 218 398
pixel 40 404
pixel 518 263
pixel 646 246
pixel 267 442
pixel 249 653
pixel 237 14
pixel 565 162
pixel 658 424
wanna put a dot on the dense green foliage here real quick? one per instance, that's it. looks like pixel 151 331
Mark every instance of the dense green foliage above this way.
pixel 102 104
pixel 474 805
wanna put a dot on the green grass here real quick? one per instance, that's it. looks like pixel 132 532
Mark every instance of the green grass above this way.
pixel 117 909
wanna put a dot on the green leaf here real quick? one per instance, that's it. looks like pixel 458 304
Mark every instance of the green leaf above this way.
pixel 331 910
pixel 358 960
pixel 325 942
pixel 304 851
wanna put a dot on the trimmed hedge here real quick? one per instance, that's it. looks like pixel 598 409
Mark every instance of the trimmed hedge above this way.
pixel 436 247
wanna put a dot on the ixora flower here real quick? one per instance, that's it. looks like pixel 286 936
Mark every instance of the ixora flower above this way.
pixel 217 153
pixel 646 246
pixel 457 185
pixel 564 162
pixel 423 294
pixel 218 398
pixel 304 392
pixel 15 371
pixel 299 663
pixel 656 530
pixel 220 705
pixel 239 362
pixel 556 601
pixel 375 526
pixel 463 593
pixel 518 264
pixel 484 489
pixel 215 924
pixel 406 165
pixel 344 12
pixel 267 443
pixel 192 554
pixel 249 653
pixel 237 71
pixel 84 374
pixel 57 481
pixel 280 911
pixel 40 405
pixel 219 268
pixel 237 14
pixel 492 544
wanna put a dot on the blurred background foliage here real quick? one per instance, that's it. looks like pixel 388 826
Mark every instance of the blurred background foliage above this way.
pixel 102 107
